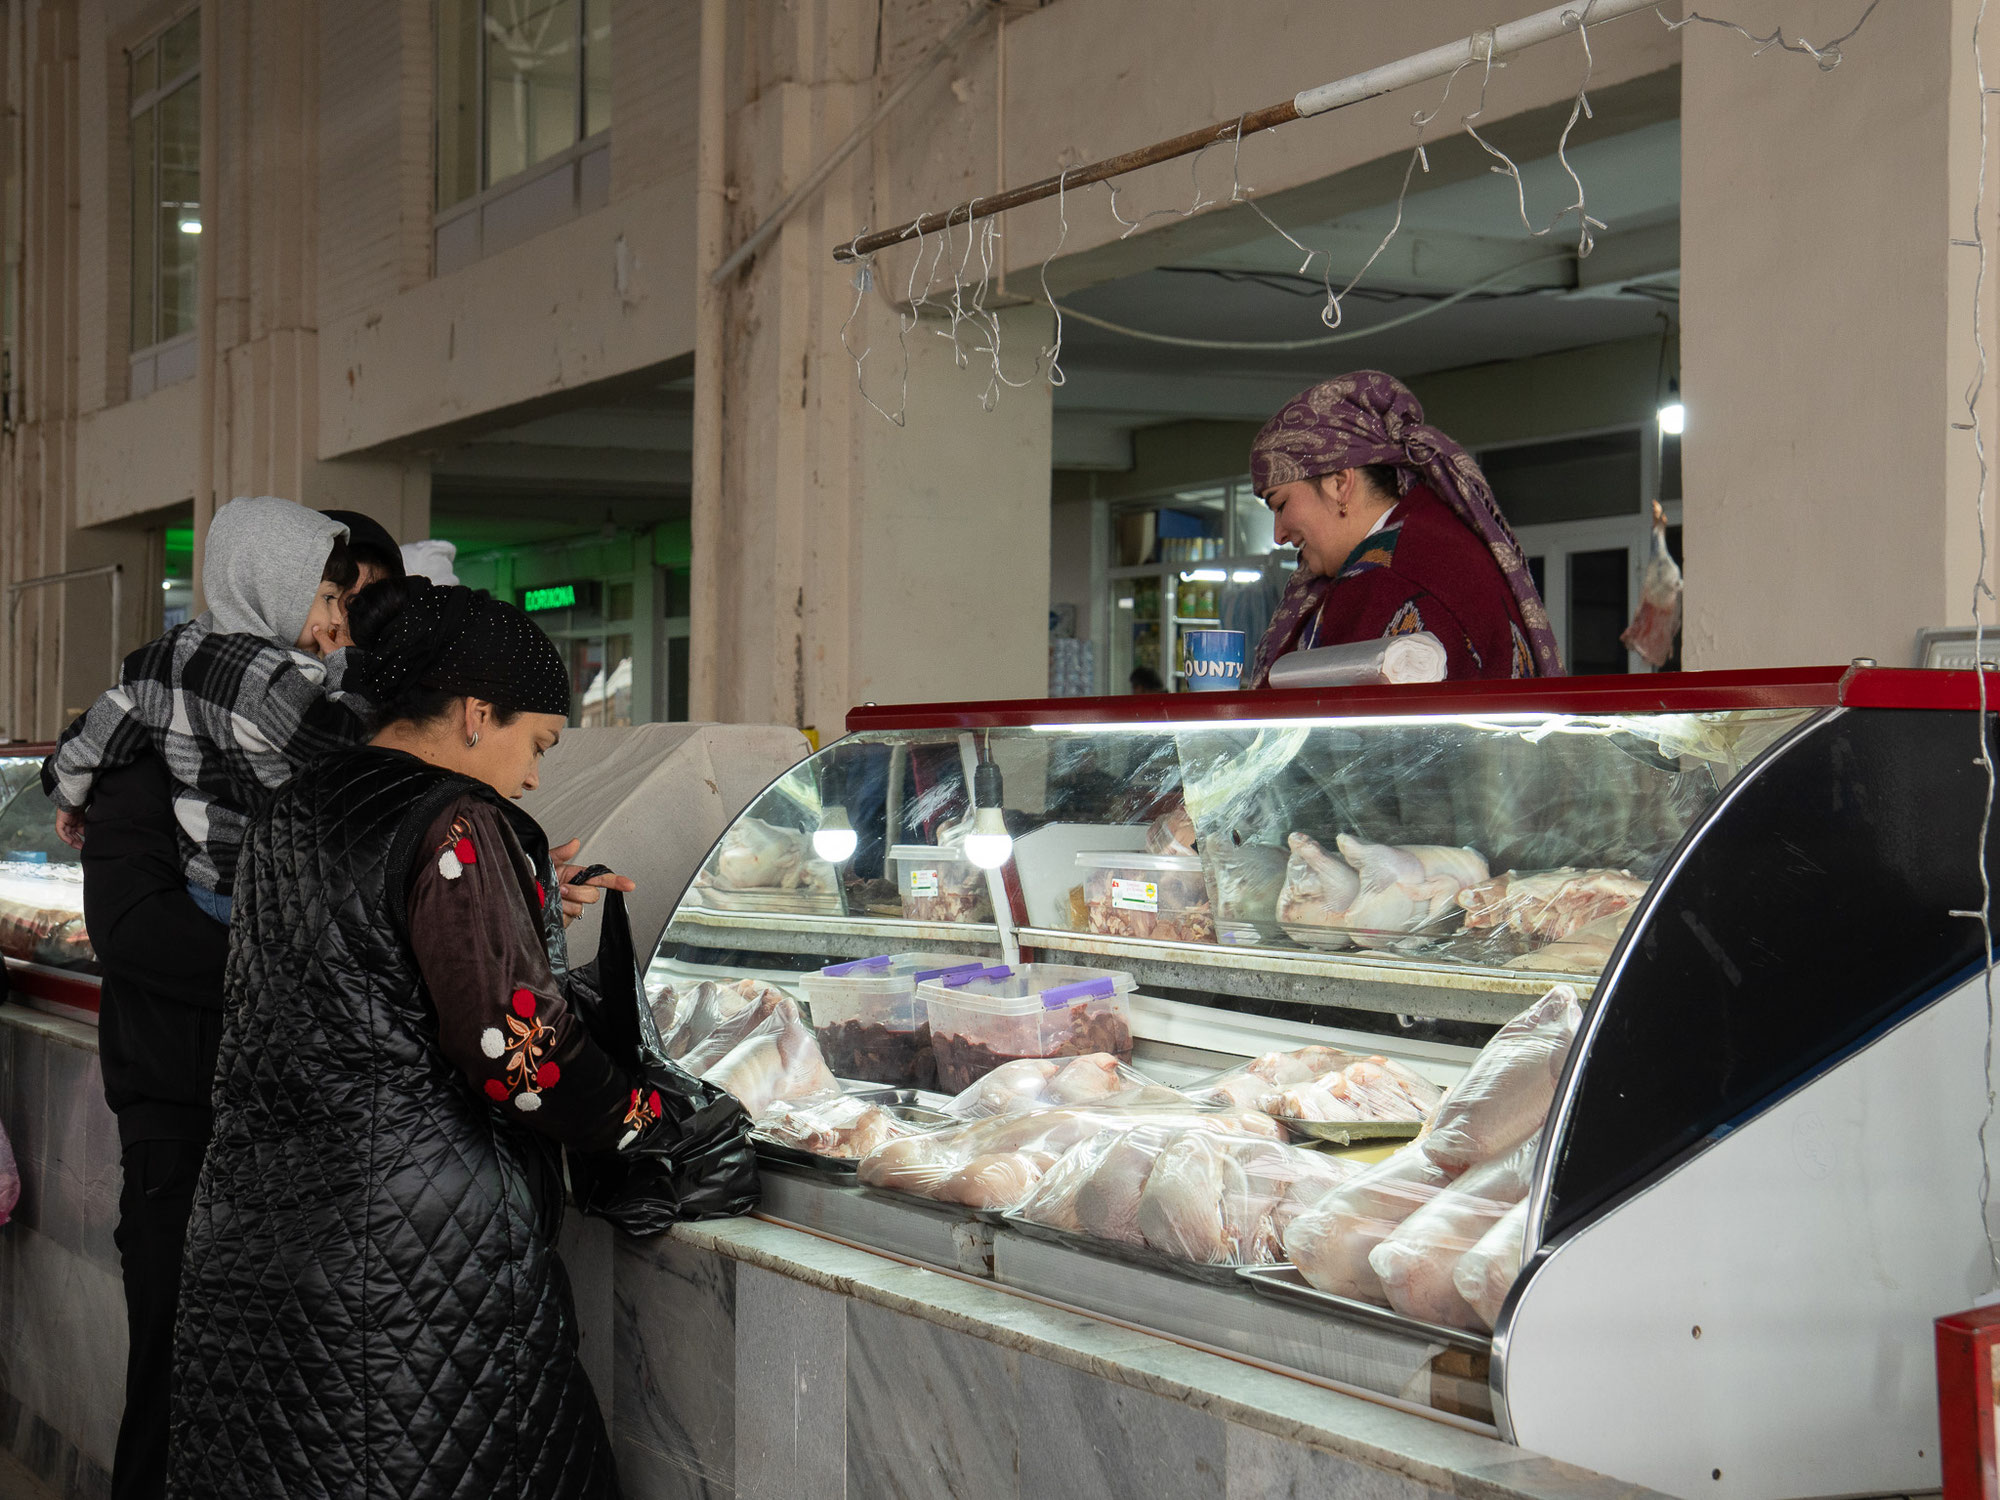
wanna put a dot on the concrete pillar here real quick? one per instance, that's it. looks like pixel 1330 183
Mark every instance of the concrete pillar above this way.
pixel 860 560
pixel 1827 337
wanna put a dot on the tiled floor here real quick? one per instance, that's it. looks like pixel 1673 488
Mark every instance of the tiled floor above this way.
pixel 16 1483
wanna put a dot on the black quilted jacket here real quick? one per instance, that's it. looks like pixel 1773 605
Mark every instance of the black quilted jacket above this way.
pixel 371 1303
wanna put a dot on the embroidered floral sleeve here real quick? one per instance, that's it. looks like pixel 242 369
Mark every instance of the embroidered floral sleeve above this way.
pixel 502 1018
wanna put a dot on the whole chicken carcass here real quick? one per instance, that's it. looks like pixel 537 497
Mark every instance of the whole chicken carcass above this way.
pixel 1090 1079
pixel 1418 1261
pixel 1106 1201
pixel 1185 1208
pixel 997 1180
pixel 913 1164
pixel 1404 886
pixel 1585 951
pixel 755 855
pixel 779 1061
pixel 1330 1243
pixel 1008 1089
pixel 1318 889
pixel 1487 1272
pixel 847 1128
pixel 1505 1095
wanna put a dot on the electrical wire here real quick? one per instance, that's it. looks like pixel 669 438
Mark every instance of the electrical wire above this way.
pixel 1282 345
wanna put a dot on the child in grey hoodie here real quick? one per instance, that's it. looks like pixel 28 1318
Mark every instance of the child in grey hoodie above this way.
pixel 238 699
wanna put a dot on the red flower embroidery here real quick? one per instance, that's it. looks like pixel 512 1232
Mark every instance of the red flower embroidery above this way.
pixel 524 1004
pixel 547 1075
pixel 496 1091
pixel 467 855
pixel 638 1115
pixel 541 896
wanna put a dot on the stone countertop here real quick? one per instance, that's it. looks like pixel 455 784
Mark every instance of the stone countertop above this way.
pixel 1439 1455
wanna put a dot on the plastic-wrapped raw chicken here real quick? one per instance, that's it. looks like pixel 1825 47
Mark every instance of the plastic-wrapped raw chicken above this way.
pixel 1505 1095
pixel 1585 951
pixel 1487 1272
pixel 1045 1082
pixel 995 1163
pixel 847 1128
pixel 1172 832
pixel 1370 1088
pixel 1331 1242
pixel 755 855
pixel 687 1017
pixel 1248 1085
pixel 1549 905
pixel 762 1051
pixel 1418 1262
pixel 1189 1194
pixel 1371 895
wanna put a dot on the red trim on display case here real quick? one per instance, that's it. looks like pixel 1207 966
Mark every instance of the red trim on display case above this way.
pixel 1663 692
pixel 32 982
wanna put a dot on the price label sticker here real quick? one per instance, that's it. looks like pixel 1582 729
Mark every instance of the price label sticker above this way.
pixel 923 882
pixel 1135 895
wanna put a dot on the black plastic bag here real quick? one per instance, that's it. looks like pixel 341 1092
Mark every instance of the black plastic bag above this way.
pixel 689 1156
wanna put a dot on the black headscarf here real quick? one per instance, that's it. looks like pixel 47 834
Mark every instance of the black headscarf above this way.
pixel 455 640
pixel 369 540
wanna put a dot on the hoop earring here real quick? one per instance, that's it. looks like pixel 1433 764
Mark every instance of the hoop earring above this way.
pixel 473 742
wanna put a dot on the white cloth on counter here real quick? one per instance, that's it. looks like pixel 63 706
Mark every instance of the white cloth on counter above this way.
pixel 433 559
pixel 1418 657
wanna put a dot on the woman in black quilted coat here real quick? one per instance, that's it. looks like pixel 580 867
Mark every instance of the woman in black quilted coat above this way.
pixel 371 1303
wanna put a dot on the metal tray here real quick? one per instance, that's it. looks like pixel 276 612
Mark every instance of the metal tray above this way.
pixel 1287 1284
pixel 937 1206
pixel 1351 1132
pixel 1137 1255
pixel 841 1167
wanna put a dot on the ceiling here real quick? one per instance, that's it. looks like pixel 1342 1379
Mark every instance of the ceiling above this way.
pixel 1537 295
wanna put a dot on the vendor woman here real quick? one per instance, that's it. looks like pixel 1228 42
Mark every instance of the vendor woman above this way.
pixel 1397 532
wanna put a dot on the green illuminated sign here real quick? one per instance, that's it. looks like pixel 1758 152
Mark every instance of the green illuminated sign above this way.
pixel 562 596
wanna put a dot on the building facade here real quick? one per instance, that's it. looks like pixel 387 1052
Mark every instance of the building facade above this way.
pixel 449 262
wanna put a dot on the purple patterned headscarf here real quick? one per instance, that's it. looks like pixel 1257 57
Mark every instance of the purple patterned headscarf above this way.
pixel 1369 417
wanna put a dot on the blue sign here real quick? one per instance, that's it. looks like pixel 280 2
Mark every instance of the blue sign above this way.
pixel 1214 660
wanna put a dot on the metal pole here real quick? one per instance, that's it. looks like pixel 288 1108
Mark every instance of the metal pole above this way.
pixel 1560 20
pixel 775 220
pixel 711 229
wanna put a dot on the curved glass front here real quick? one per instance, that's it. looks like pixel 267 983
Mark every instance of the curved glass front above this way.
pixel 41 877
pixel 1440 867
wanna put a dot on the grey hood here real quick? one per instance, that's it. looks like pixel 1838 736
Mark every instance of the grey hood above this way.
pixel 262 564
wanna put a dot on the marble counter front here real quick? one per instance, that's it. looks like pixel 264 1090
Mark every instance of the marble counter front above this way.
pixel 762 1362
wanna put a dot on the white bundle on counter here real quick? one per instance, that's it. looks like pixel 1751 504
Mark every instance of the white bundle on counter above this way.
pixel 1418 657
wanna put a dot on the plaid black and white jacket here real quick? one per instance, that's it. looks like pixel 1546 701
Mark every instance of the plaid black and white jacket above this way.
pixel 233 716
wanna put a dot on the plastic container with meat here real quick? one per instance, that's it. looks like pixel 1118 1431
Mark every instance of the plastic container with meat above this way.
pixel 980 1021
pixel 939 884
pixel 868 1019
pixel 1161 897
pixel 1185 1193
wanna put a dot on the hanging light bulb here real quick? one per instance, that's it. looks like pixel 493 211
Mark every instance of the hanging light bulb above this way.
pixel 1673 415
pixel 834 839
pixel 989 844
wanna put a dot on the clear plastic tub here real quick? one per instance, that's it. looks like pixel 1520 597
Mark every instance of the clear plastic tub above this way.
pixel 869 1021
pixel 939 884
pixel 1161 897
pixel 980 1020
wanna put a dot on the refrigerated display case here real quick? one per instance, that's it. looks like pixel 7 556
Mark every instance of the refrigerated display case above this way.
pixel 1678 983
pixel 47 952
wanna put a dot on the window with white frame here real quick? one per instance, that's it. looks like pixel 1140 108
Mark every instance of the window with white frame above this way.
pixel 519 83
pixel 165 96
